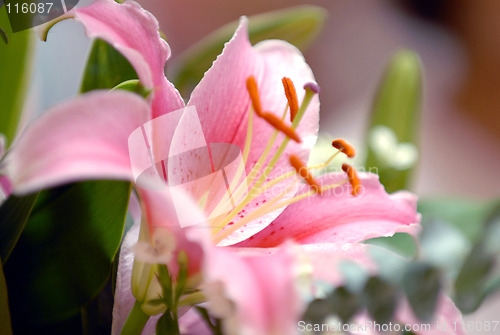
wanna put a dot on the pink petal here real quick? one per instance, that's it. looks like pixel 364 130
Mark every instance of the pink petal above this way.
pixel 337 216
pixel 223 102
pixel 158 211
pixel 223 105
pixel 124 300
pixel 161 210
pixel 325 259
pixel 134 33
pixel 85 138
pixel 261 284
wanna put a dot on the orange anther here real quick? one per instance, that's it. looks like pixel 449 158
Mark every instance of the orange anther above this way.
pixel 277 123
pixel 353 178
pixel 345 147
pixel 291 96
pixel 301 169
pixel 254 95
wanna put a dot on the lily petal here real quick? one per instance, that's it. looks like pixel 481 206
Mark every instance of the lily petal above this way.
pixel 261 305
pixel 222 99
pixel 133 31
pixel 157 211
pixel 337 216
pixel 223 105
pixel 162 212
pixel 85 138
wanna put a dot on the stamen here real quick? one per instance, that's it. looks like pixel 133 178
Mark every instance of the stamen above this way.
pixel 269 208
pixel 254 95
pixel 344 147
pixel 254 173
pixel 302 109
pixel 304 173
pixel 250 217
pixel 311 90
pixel 291 96
pixel 313 87
pixel 278 124
pixel 353 178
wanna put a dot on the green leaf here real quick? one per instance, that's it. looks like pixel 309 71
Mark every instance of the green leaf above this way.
pixel 105 68
pixel 166 284
pixel 63 257
pixel 401 243
pixel 4 36
pixel 166 325
pixel 396 106
pixel 478 277
pixel 421 283
pixel 5 327
pixel 133 85
pixel 14 213
pixel 380 299
pixel 465 214
pixel 472 278
pixel 180 285
pixel 344 303
pixel 136 321
pixel 317 311
pixel 15 67
pixel 298 25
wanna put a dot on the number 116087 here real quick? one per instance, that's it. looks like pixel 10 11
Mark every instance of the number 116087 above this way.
pixel 478 326
pixel 32 8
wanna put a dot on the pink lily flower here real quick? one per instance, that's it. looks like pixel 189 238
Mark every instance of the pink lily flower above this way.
pixel 77 140
pixel 87 138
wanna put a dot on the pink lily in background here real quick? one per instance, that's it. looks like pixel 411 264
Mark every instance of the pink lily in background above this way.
pixel 87 138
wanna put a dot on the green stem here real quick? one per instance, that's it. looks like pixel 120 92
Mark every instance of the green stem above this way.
pixel 136 321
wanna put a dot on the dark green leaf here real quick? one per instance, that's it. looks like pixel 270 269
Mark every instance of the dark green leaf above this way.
pixel 14 213
pixel 298 25
pixel 421 283
pixel 344 303
pixel 15 66
pixel 166 284
pixel 317 311
pixel 5 327
pixel 4 36
pixel 396 106
pixel 166 325
pixel 380 299
pixel 472 278
pixel 63 257
pixel 215 325
pixel 180 285
pixel 105 68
